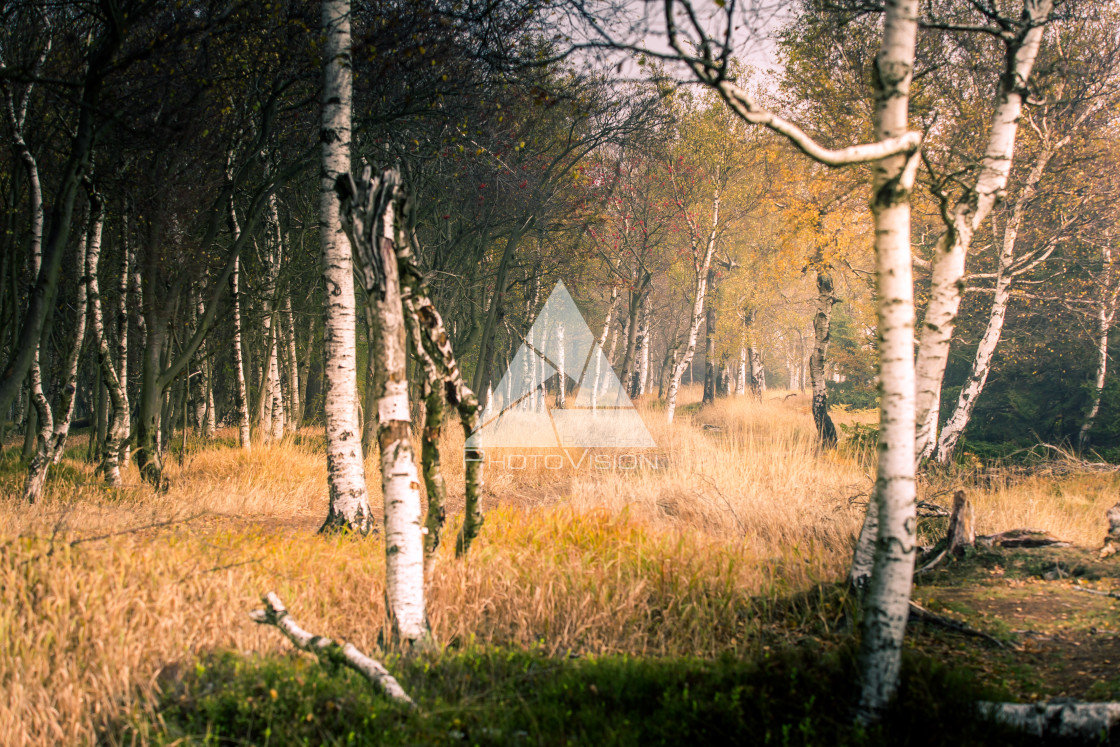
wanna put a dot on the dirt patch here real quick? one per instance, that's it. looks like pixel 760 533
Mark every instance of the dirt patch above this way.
pixel 1060 641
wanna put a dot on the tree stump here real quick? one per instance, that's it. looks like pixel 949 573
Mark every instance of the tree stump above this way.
pixel 962 530
pixel 1112 539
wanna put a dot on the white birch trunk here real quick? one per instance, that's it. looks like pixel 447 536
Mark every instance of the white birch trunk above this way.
pixel 241 391
pixel 962 221
pixel 741 373
pixel 123 285
pixel 349 504
pixel 599 344
pixel 400 480
pixel 1009 267
pixel 1106 310
pixel 886 604
pixel 643 361
pixel 701 267
pixel 561 380
pixel 49 450
pixel 17 112
pixel 115 387
pixel 758 373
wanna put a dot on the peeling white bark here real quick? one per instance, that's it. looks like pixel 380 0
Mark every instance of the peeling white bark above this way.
pixel 349 503
pixel 962 220
pixel 887 600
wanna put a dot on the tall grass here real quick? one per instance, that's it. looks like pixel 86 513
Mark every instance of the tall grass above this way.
pixel 689 557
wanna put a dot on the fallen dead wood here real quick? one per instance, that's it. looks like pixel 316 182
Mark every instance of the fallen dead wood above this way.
pixel 1021 538
pixel 1058 719
pixel 1097 592
pixel 330 654
pixel 921 614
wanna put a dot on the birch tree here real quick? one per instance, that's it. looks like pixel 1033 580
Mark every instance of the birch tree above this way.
pixel 1108 294
pixel 894 159
pixel 1021 38
pixel 349 503
pixel 116 388
pixel 372 221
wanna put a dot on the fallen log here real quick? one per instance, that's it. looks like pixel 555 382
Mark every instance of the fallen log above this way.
pixel 329 653
pixel 1058 719
pixel 1021 538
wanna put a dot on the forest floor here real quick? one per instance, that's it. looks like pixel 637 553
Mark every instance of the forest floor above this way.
pixel 699 599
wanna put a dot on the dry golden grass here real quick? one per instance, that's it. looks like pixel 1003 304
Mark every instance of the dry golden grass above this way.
pixel 681 559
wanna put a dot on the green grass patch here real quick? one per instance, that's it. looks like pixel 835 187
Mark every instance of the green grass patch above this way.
pixel 500 697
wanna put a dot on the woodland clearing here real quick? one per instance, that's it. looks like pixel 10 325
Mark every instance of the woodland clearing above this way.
pixel 718 574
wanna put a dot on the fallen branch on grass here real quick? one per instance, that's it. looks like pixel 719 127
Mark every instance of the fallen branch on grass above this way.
pixel 330 654
pixel 1061 719
pixel 921 614
pixel 1087 590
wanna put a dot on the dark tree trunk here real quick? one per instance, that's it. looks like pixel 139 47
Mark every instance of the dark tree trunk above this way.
pixel 822 324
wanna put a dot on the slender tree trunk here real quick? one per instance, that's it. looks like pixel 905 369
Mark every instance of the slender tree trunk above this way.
pixel 703 249
pixel 349 503
pixel 51 448
pixel 123 283
pixel 965 217
pixel 374 383
pixel 376 238
pixel 741 372
pixel 1104 322
pixel 710 365
pixel 822 326
pixel 562 378
pixel 293 366
pixel 599 345
pixel 647 343
pixel 483 372
pixel 1006 273
pixel 241 390
pixel 115 387
pixel 685 361
pixel 887 599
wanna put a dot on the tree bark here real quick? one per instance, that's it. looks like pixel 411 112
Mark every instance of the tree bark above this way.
pixel 962 220
pixel 51 447
pixel 349 503
pixel 1106 310
pixel 710 365
pixel 372 219
pixel 946 443
pixel 887 599
pixel 703 262
pixel 293 415
pixel 822 329
pixel 115 386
